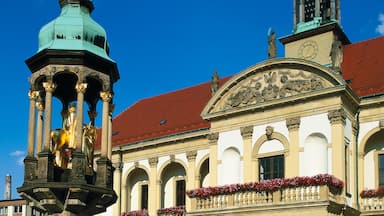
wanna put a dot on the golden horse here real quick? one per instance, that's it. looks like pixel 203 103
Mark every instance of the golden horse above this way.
pixel 60 142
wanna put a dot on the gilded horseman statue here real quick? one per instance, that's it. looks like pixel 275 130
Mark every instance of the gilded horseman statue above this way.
pixel 63 141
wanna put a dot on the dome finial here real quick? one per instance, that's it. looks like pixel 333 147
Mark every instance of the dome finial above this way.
pixel 86 3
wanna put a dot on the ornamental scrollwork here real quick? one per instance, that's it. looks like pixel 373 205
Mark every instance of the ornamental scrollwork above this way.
pixel 273 84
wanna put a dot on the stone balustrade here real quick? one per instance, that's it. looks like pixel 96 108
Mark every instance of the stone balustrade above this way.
pixel 372 204
pixel 253 198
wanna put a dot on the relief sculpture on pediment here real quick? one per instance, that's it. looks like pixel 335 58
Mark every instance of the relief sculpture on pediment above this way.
pixel 272 85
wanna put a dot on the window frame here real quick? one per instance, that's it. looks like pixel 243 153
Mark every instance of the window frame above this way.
pixel 175 180
pixel 140 195
pixel 279 154
pixel 378 153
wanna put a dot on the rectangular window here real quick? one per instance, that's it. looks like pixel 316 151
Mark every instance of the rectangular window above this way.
pixel 180 192
pixel 381 170
pixel 271 167
pixel 18 209
pixel 144 196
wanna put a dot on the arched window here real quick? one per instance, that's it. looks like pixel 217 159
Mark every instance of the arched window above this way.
pixel 271 160
pixel 315 154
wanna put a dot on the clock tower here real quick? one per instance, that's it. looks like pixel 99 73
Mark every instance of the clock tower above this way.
pixel 317 33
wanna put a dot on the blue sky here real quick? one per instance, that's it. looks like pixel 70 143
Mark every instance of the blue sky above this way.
pixel 160 46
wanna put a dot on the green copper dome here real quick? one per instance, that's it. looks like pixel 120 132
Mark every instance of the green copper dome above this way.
pixel 74 29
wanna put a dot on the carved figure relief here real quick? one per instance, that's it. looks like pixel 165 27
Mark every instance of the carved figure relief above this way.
pixel 272 85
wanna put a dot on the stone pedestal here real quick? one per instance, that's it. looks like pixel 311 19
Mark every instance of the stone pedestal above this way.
pixel 104 171
pixel 45 171
pixel 30 168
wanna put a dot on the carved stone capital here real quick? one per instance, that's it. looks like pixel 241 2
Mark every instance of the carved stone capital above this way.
pixel 40 105
pixel 293 123
pixel 49 86
pixel 246 132
pixel 212 138
pixel 81 87
pixel 33 95
pixel 191 155
pixel 106 96
pixel 337 116
pixel 153 161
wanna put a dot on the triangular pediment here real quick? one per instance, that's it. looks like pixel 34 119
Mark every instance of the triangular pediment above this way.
pixel 271 82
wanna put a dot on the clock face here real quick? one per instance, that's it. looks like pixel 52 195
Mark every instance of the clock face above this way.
pixel 308 50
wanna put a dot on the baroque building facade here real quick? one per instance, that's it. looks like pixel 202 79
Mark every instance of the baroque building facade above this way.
pixel 313 120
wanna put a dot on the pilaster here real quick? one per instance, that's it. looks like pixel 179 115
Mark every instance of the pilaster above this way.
pixel 191 176
pixel 246 133
pixel 154 187
pixel 337 120
pixel 292 159
pixel 213 151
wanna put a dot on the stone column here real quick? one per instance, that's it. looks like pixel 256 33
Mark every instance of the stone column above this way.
pixel 111 108
pixel 106 97
pixel 39 133
pixel 45 162
pixel 246 133
pixel 31 123
pixel 104 165
pixel 212 139
pixel 191 176
pixel 337 120
pixel 333 9
pixel 154 189
pixel 78 157
pixel 80 88
pixel 49 88
pixel 292 159
pixel 30 162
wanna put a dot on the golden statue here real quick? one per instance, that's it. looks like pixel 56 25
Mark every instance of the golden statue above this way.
pixel 89 139
pixel 63 141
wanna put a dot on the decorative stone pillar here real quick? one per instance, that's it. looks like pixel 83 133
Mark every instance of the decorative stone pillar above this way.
pixel 106 97
pixel 39 132
pixel 191 175
pixel 111 109
pixel 213 151
pixel 337 120
pixel 292 159
pixel 45 162
pixel 30 162
pixel 246 133
pixel 154 187
pixel 31 124
pixel 49 88
pixel 80 88
pixel 78 157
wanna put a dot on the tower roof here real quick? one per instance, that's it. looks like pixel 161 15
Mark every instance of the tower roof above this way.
pixel 74 29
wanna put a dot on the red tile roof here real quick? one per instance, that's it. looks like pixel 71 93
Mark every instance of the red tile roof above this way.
pixel 363 66
pixel 179 111
pixel 163 115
